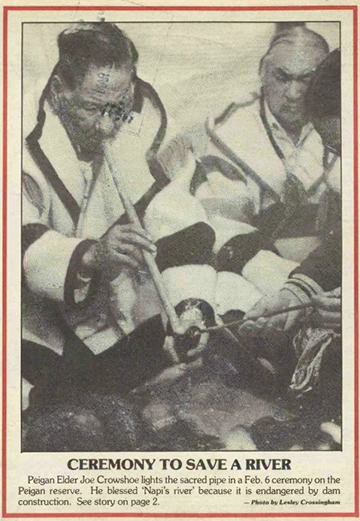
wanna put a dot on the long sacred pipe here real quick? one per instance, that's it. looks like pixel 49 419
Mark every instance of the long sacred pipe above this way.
pixel 148 257
pixel 194 331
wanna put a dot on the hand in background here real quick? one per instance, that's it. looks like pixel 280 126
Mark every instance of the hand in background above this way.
pixel 273 326
pixel 177 158
pixel 328 307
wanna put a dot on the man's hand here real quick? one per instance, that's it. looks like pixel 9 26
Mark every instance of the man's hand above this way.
pixel 121 247
pixel 328 307
pixel 265 327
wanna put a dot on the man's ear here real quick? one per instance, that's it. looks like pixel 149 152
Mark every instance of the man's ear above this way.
pixel 56 90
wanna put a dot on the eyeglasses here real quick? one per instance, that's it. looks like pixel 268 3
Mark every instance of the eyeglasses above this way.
pixel 121 111
pixel 118 112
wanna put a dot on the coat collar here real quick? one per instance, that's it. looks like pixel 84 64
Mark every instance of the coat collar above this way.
pixel 58 148
pixel 245 135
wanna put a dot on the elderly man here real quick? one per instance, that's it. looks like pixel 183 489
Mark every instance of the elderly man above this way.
pixel 260 173
pixel 317 377
pixel 91 315
pixel 318 277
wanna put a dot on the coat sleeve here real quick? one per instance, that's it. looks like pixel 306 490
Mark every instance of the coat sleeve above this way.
pixel 50 259
pixel 322 268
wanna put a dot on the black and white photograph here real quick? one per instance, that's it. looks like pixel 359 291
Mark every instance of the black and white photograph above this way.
pixel 181 235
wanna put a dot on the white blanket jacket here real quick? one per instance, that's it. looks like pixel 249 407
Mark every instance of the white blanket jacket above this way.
pixel 64 209
pixel 242 183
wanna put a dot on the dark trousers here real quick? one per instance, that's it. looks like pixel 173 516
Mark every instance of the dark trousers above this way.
pixel 127 364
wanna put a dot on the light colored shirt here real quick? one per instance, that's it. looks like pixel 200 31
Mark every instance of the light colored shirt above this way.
pixel 302 158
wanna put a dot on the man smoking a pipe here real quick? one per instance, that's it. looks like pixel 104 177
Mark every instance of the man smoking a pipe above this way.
pixel 92 320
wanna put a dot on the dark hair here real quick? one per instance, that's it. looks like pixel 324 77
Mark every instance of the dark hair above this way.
pixel 88 44
pixel 324 94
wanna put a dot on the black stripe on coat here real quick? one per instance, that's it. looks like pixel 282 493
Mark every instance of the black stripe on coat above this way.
pixel 271 221
pixel 71 279
pixel 232 108
pixel 154 166
pixel 238 251
pixel 147 90
pixel 324 264
pixel 230 154
pixel 31 233
pixel 193 245
pixel 43 162
pixel 213 163
pixel 141 205
pixel 52 177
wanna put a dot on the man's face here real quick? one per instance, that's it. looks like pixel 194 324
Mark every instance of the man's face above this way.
pixel 104 95
pixel 286 74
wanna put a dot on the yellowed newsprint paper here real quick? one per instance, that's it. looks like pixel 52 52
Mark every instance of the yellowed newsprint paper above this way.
pixel 180 259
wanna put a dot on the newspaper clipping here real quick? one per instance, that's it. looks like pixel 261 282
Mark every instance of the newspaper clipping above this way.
pixel 180 259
